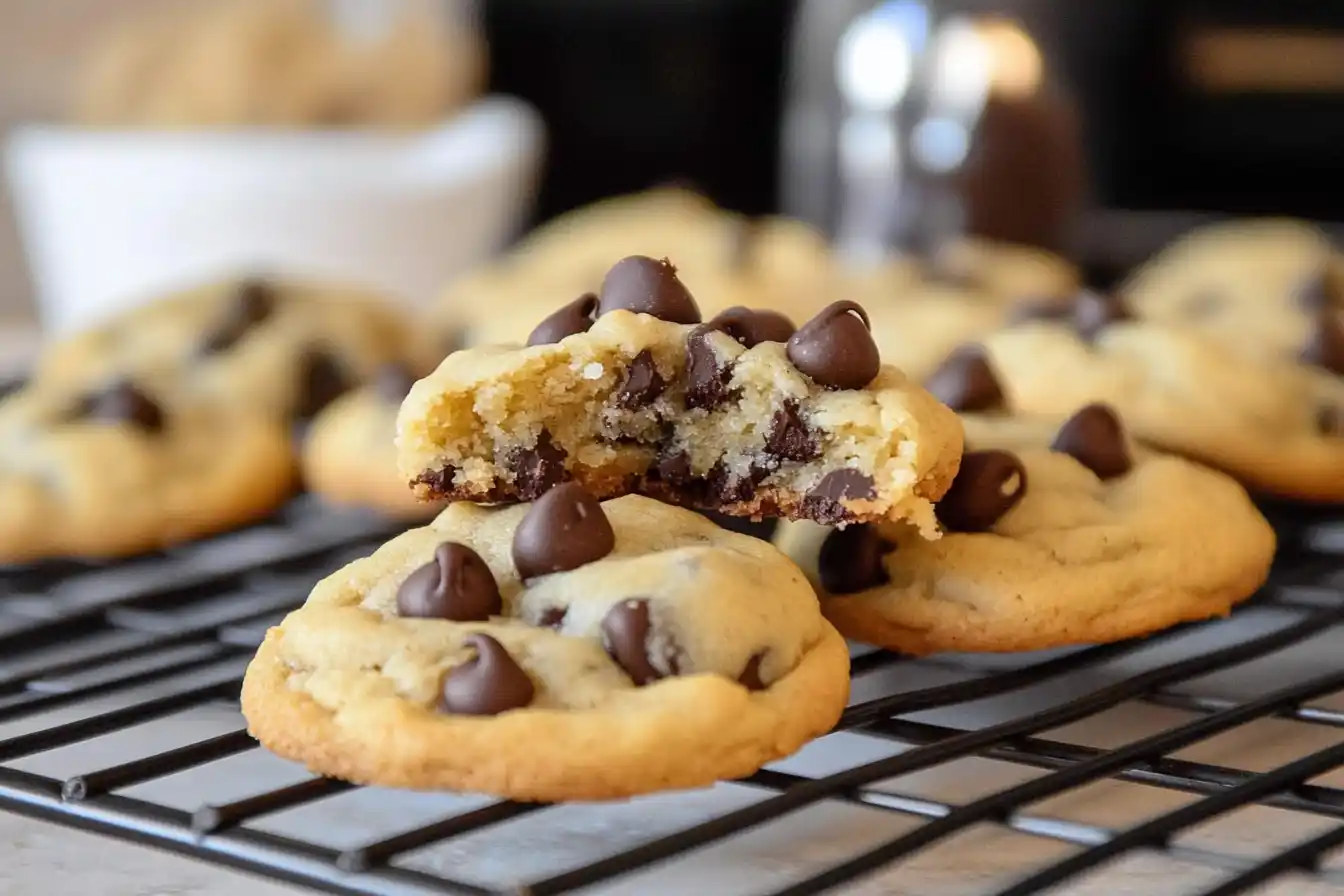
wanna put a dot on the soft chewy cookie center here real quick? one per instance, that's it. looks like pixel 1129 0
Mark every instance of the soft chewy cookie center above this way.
pixel 629 391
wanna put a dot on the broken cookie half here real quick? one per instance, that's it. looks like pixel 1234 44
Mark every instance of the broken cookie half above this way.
pixel 629 392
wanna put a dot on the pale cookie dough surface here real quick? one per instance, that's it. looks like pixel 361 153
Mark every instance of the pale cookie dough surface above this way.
pixel 285 348
pixel 724 258
pixel 280 63
pixel 349 457
pixel 353 689
pixel 1077 560
pixel 487 425
pixel 1275 427
pixel 1257 287
pixel 74 486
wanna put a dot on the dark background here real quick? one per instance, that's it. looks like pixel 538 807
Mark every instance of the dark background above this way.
pixel 637 93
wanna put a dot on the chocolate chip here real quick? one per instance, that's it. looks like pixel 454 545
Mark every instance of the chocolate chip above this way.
pixel 752 326
pixel 1325 345
pixel 439 482
pixel 727 487
pixel 576 317
pixel 1095 437
pixel 835 348
pixel 966 382
pixel 252 302
pixel 553 617
pixel 850 560
pixel 987 486
pixel 647 286
pixel 824 502
pixel 1039 308
pixel 674 469
pixel 455 585
pixel 1094 311
pixel 1320 290
pixel 321 380
pixel 122 402
pixel 706 380
pixel 565 529
pixel 626 631
pixel 789 437
pixel 393 382
pixel 751 674
pixel 642 383
pixel 489 684
pixel 538 469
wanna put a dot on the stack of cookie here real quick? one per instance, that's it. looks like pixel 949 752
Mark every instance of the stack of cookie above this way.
pixel 585 635
pixel 569 603
pixel 174 421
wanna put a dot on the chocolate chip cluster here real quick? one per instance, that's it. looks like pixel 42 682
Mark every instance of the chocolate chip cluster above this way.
pixel 564 530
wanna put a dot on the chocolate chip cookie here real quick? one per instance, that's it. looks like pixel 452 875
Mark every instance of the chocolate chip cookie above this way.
pixel 1267 290
pixel 563 650
pixel 727 259
pixel 348 452
pixel 1054 535
pixel 285 348
pixel 1276 426
pixel 287 63
pixel 628 391
pixel 131 467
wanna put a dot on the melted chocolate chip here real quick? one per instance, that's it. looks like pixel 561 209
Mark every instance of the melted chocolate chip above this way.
pixel 643 384
pixel 123 403
pixel 1095 437
pixel 965 382
pixel 252 302
pixel 726 487
pixel 455 585
pixel 647 286
pixel 850 560
pixel 321 380
pixel 440 482
pixel 538 469
pixel 576 317
pixel 789 437
pixel 487 685
pixel 751 673
pixel 553 617
pixel 625 636
pixel 565 529
pixel 706 379
pixel 1325 346
pixel 987 486
pixel 835 348
pixel 393 382
pixel 675 469
pixel 1094 312
pixel 753 326
pixel 824 503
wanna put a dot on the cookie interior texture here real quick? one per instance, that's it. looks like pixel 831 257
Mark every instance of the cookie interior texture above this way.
pixel 562 650
pixel 622 408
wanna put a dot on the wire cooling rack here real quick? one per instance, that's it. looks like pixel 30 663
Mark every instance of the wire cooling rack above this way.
pixel 96 660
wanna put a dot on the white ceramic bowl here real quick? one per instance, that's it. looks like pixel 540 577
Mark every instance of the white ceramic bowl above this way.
pixel 109 219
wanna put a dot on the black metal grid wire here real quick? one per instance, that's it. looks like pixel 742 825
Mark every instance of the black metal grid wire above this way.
pixel 201 609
